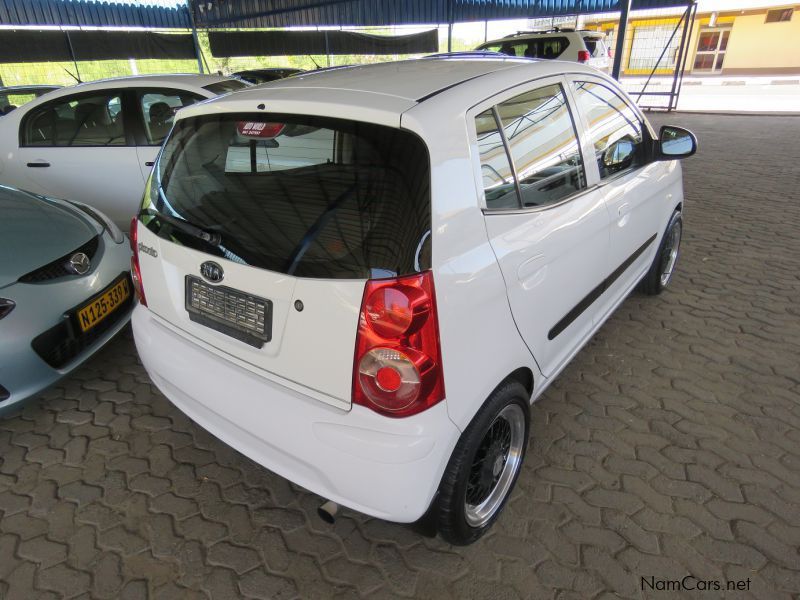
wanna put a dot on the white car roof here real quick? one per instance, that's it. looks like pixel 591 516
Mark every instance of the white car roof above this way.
pixel 187 79
pixel 379 91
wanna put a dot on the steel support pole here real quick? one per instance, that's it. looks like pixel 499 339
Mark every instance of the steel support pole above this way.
pixel 197 51
pixel 624 10
pixel 679 59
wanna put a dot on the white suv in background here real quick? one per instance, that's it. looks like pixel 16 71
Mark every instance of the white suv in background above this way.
pixel 361 278
pixel 586 47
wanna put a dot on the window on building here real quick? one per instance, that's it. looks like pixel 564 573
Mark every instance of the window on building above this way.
pixel 779 15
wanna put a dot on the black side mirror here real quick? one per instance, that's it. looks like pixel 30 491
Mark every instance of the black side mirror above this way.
pixel 619 155
pixel 675 143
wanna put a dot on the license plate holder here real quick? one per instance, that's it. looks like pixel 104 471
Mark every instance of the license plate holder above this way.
pixel 240 315
pixel 98 307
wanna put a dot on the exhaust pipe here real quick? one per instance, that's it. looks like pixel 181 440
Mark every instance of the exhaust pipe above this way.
pixel 327 511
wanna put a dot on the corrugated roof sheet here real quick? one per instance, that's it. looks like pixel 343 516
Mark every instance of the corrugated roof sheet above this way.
pixel 286 13
pixel 93 13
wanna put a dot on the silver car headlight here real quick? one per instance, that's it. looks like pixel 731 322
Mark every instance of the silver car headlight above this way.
pixel 107 223
pixel 6 306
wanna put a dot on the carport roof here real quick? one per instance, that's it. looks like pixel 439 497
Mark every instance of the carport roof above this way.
pixel 268 13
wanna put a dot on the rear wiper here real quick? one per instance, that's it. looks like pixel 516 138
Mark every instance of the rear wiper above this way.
pixel 213 238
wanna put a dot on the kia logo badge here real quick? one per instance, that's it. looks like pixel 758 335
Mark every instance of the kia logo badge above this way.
pixel 211 271
pixel 79 263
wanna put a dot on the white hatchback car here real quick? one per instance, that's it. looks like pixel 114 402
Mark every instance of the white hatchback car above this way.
pixel 362 278
pixel 582 46
pixel 96 142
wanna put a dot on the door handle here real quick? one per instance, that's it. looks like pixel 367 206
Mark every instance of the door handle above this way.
pixel 623 208
pixel 149 163
pixel 40 164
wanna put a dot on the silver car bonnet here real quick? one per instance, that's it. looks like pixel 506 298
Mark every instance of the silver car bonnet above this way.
pixel 35 231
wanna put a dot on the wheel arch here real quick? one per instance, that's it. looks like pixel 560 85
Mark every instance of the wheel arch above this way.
pixel 523 375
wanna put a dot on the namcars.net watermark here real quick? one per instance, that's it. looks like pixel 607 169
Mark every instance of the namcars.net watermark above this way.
pixel 690 583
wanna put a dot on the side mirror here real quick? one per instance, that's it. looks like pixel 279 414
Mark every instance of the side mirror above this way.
pixel 619 155
pixel 675 143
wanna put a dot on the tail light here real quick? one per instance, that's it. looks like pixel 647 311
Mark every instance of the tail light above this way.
pixel 584 56
pixel 610 53
pixel 136 272
pixel 397 369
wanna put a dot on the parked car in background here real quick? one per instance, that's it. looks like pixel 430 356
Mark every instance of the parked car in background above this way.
pixel 361 278
pixel 586 47
pixel 14 96
pixel 257 76
pixel 96 142
pixel 65 289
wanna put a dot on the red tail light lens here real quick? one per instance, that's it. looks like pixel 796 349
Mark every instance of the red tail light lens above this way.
pixel 584 56
pixel 396 311
pixel 136 272
pixel 397 369
pixel 610 53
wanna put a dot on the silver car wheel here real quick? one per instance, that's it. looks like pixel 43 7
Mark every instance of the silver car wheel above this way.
pixel 495 465
pixel 670 253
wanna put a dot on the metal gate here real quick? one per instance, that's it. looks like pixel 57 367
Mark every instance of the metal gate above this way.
pixel 656 49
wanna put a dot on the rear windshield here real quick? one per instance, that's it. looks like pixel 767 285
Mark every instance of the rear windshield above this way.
pixel 540 47
pixel 307 196
pixel 594 45
pixel 225 86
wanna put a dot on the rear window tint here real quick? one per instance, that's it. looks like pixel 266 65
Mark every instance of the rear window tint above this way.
pixel 225 86
pixel 595 46
pixel 544 47
pixel 307 196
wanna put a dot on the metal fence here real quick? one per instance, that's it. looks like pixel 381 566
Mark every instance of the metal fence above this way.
pixel 655 51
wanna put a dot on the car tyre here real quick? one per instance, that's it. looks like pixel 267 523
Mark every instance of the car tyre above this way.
pixel 660 274
pixel 484 466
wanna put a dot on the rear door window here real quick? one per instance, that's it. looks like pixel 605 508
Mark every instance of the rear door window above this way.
pixel 158 108
pixel 543 144
pixel 302 195
pixel 499 187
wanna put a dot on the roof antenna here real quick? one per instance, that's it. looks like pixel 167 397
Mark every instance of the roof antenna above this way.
pixel 77 79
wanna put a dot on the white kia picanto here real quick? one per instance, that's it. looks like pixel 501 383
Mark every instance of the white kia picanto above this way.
pixel 362 278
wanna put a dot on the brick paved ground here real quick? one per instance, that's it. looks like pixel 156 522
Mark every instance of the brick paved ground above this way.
pixel 671 446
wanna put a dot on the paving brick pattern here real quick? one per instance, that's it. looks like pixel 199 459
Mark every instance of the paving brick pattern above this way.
pixel 671 446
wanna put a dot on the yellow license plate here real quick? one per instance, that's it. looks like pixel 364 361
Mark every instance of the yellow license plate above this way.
pixel 104 304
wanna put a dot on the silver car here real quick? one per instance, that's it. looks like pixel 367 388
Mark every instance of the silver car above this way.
pixel 65 289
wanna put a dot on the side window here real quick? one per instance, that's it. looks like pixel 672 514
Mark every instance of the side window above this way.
pixel 543 144
pixel 78 121
pixel 545 47
pixel 158 111
pixel 498 179
pixel 615 130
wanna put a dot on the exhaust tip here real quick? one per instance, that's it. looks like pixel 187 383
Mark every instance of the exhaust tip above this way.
pixel 327 512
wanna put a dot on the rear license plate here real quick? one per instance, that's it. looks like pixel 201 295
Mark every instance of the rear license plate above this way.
pixel 102 305
pixel 240 315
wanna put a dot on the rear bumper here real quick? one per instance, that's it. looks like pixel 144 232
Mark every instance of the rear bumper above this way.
pixel 387 468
